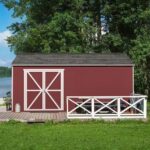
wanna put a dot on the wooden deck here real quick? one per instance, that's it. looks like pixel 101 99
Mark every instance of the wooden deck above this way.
pixel 33 117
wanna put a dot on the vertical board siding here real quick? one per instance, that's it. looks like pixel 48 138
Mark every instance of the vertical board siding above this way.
pixel 82 81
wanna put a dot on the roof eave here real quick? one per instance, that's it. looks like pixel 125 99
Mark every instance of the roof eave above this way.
pixel 65 65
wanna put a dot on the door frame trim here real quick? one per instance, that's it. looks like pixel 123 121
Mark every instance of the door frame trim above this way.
pixel 43 71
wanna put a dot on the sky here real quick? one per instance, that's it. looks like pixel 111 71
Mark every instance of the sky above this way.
pixel 6 55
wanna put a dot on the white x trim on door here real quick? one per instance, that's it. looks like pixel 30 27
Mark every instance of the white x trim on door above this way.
pixel 43 89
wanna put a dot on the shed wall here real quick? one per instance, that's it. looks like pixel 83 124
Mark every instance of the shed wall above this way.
pixel 82 81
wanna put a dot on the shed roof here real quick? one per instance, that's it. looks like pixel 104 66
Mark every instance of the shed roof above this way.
pixel 36 59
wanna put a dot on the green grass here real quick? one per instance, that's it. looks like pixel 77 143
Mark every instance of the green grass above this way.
pixel 89 135
pixel 69 136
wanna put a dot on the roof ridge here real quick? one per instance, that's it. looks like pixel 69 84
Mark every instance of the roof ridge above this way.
pixel 61 59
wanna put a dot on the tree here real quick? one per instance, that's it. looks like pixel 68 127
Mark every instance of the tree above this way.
pixel 140 54
pixel 5 71
pixel 74 26
pixel 123 19
pixel 49 26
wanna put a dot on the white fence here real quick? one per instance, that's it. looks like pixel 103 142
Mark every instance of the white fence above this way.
pixel 111 107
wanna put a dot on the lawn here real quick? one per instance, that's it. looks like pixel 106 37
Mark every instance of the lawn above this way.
pixel 91 135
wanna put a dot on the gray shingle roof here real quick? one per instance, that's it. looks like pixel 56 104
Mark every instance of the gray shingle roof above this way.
pixel 115 59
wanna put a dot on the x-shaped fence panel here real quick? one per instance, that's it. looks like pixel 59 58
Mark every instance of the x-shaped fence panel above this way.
pixel 106 107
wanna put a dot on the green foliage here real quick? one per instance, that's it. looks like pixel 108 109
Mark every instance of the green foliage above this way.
pixel 140 53
pixel 5 72
pixel 49 26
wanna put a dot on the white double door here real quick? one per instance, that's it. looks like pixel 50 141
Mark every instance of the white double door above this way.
pixel 43 89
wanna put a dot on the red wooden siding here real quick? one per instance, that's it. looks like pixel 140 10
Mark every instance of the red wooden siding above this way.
pixel 79 81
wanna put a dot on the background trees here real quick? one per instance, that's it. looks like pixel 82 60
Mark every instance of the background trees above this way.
pixel 75 26
pixel 5 72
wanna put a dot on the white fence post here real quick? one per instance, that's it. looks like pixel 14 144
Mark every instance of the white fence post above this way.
pixel 118 107
pixel 92 111
pixel 145 108
pixel 67 108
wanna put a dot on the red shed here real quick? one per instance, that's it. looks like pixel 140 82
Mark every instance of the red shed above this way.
pixel 42 82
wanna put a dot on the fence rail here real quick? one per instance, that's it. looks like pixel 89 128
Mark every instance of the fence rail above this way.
pixel 86 107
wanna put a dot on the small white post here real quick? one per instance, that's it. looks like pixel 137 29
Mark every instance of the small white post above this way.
pixel 92 111
pixel 145 108
pixel 118 107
